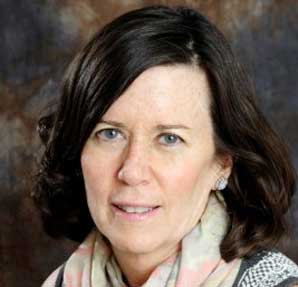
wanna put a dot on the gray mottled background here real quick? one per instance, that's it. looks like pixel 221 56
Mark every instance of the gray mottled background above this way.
pixel 38 38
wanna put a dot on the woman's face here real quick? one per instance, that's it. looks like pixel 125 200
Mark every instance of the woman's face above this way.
pixel 152 149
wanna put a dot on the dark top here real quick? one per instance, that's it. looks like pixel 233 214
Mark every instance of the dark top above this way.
pixel 268 268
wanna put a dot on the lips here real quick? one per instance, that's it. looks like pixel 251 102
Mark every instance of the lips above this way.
pixel 134 207
pixel 134 211
pixel 130 209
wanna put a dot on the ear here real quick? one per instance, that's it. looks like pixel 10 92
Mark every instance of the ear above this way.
pixel 224 169
pixel 225 165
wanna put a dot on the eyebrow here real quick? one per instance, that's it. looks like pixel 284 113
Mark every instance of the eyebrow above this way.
pixel 112 123
pixel 158 127
pixel 167 127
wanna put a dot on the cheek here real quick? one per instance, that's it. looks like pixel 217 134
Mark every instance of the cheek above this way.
pixel 95 172
pixel 89 168
pixel 189 186
pixel 188 191
pixel 190 175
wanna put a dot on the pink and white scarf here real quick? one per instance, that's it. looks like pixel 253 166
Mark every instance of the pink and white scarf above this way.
pixel 198 263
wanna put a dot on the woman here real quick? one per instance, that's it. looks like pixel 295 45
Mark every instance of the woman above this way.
pixel 158 160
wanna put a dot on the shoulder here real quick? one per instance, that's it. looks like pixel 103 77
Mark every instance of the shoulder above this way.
pixel 268 268
pixel 55 277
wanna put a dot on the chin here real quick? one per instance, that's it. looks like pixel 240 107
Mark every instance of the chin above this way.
pixel 135 245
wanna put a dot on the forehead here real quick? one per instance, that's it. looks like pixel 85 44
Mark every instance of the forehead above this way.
pixel 163 93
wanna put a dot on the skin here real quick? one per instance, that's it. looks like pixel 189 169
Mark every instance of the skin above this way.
pixel 175 168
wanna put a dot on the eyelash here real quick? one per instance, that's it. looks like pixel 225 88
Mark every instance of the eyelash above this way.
pixel 179 139
pixel 97 134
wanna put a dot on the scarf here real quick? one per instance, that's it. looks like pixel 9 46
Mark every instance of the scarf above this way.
pixel 198 263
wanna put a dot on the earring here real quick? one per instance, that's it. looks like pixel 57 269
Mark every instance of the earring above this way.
pixel 221 183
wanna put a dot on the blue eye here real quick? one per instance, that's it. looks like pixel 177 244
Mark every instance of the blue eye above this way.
pixel 170 139
pixel 108 134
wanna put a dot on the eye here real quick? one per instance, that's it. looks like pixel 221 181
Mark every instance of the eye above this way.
pixel 108 134
pixel 170 139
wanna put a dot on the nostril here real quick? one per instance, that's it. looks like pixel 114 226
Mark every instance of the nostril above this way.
pixel 121 174
pixel 134 168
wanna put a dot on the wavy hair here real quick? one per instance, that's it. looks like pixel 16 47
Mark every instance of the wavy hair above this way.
pixel 262 181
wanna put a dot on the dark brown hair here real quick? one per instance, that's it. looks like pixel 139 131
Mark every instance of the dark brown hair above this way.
pixel 262 180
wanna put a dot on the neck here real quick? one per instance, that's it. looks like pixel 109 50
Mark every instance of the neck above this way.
pixel 137 267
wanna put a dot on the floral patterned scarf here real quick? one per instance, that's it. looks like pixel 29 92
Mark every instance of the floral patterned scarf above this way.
pixel 198 263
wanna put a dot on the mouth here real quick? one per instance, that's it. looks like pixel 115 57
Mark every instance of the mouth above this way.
pixel 135 213
pixel 134 208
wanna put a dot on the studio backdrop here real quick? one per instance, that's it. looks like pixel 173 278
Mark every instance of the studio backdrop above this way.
pixel 38 38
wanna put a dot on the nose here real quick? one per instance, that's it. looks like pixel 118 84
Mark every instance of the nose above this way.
pixel 135 166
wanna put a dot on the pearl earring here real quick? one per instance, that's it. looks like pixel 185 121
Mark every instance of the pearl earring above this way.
pixel 221 183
